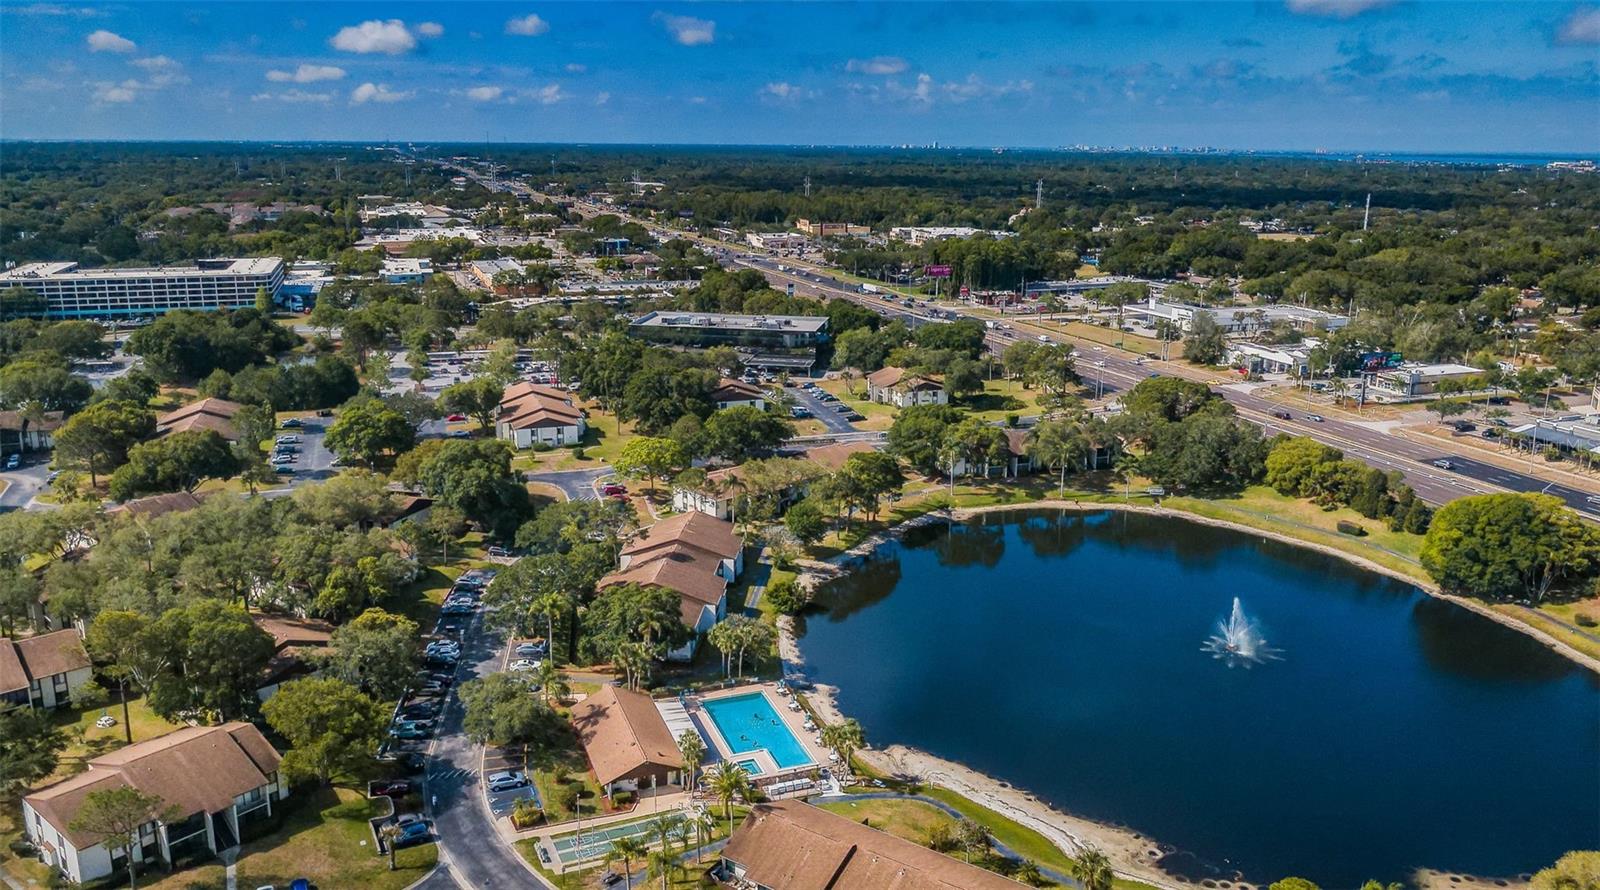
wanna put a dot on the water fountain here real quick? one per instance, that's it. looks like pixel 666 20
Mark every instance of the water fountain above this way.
pixel 1238 640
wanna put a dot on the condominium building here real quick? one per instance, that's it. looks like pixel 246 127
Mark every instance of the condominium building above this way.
pixel 66 291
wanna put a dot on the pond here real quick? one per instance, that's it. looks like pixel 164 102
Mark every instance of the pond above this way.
pixel 1382 731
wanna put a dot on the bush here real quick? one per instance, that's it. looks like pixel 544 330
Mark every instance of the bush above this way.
pixel 1585 620
pixel 787 597
pixel 541 447
pixel 622 799
pixel 1012 420
pixel 578 453
pixel 1552 454
pixel 566 797
pixel 1346 527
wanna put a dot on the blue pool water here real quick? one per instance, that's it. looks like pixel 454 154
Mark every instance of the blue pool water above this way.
pixel 751 767
pixel 749 723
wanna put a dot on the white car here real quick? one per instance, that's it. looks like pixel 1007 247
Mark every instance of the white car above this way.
pixel 525 664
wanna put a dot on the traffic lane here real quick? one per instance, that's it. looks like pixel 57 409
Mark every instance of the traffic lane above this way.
pixel 1474 469
pixel 468 840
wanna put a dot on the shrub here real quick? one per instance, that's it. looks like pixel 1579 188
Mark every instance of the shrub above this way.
pixel 787 597
pixel 1552 454
pixel 622 799
pixel 578 453
pixel 1585 620
pixel 1012 420
pixel 541 447
pixel 1346 527
pixel 566 797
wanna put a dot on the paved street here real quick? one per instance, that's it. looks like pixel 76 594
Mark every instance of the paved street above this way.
pixel 24 483
pixel 577 485
pixel 827 412
pixel 472 853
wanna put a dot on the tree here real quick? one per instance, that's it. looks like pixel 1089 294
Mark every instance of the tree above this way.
pixel 445 525
pixel 1501 546
pixel 352 498
pixel 332 727
pixel 844 739
pixel 368 429
pixel 391 832
pixel 737 634
pixel 735 434
pixel 98 437
pixel 475 477
pixel 1447 408
pixel 729 780
pixel 553 685
pixel 19 590
pixel 1092 870
pixel 30 747
pixel 48 385
pixel 649 458
pixel 1292 883
pixel 207 656
pixel 175 462
pixel 115 816
pixel 1578 870
pixel 917 433
pixel 974 835
pixel 348 589
pixel 625 850
pixel 1292 462
pixel 693 749
pixel 501 709
pixel 1028 873
pixel 375 652
pixel 478 398
pixel 805 522
pixel 1206 343
pixel 1058 444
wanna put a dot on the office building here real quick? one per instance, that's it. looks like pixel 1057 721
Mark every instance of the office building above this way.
pixel 406 270
pixel 70 292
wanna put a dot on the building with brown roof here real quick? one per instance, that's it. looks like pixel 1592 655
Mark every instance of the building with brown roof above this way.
pixel 156 505
pixel 627 741
pixel 46 671
pixel 217 780
pixel 692 554
pixel 293 639
pixel 900 388
pixel 790 845
pixel 206 414
pixel 534 414
pixel 19 433
pixel 731 393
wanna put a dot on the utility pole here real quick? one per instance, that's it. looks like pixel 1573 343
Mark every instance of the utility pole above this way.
pixel 808 186
pixel 1366 216
pixel 1038 195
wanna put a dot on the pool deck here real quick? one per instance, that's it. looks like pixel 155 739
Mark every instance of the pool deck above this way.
pixel 794 721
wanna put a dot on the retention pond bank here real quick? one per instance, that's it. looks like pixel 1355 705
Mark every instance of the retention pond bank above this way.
pixel 1380 731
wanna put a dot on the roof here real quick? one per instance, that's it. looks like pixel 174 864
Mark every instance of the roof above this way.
pixel 525 405
pixel 686 571
pixel 1017 442
pixel 522 389
pixel 218 424
pixel 731 390
pixel 198 768
pixel 206 414
pixel 694 528
pixel 790 845
pixel 900 378
pixel 47 422
pixel 22 661
pixel 207 268
pixel 622 731
pixel 530 416
pixel 156 505
pixel 795 323
pixel 833 456
pixel 287 630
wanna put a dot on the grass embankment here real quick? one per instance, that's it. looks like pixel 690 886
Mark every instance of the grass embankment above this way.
pixel 908 819
pixel 326 839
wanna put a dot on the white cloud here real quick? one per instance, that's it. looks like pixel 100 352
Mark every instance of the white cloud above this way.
pixel 785 91
pixel 485 94
pixel 430 29
pixel 306 74
pixel 602 98
pixel 163 72
pixel 377 92
pixel 296 96
pixel 103 41
pixel 125 91
pixel 375 36
pixel 549 95
pixel 52 9
pixel 154 64
pixel 688 30
pixel 529 25
pixel 576 68
pixel 1583 26
pixel 1339 9
pixel 876 65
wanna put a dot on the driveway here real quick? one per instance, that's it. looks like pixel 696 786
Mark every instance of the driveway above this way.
pixel 577 485
pixel 472 852
pixel 827 412
pixel 314 463
pixel 24 483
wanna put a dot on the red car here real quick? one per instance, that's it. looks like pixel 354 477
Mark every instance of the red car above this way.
pixel 456 418
pixel 397 788
pixel 613 488
pixel 620 496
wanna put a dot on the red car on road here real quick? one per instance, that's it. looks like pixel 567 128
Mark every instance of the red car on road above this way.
pixel 613 489
pixel 456 418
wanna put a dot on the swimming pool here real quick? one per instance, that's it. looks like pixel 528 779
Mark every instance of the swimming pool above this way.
pixel 749 723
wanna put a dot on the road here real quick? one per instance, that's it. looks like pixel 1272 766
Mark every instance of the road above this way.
pixel 25 482
pixel 827 412
pixel 577 485
pixel 472 854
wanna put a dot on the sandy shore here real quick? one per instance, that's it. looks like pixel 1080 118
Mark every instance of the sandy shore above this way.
pixel 1133 855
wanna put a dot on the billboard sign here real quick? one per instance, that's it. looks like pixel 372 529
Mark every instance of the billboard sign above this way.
pixel 936 271
pixel 1379 361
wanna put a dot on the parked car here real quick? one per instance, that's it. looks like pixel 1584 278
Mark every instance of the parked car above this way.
pixel 412 835
pixel 288 440
pixel 410 732
pixel 325 412
pixel 283 469
pixel 507 781
pixel 855 416
pixel 396 788
pixel 455 418
pixel 13 462
pixel 530 650
pixel 525 664
pixel 1464 426
pixel 293 423
pixel 613 488
pixel 800 413
pixel 458 608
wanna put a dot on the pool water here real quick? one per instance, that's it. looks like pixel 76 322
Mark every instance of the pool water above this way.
pixel 750 723
pixel 751 767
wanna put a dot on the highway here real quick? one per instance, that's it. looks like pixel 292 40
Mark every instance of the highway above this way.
pixel 1115 370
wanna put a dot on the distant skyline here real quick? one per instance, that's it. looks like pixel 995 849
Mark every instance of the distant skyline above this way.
pixel 1292 75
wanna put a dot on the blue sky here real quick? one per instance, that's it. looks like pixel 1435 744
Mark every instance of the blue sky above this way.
pixel 1272 74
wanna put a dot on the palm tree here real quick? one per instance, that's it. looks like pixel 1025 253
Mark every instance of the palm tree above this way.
pixel 844 739
pixel 550 605
pixel 626 850
pixel 634 660
pixel 664 864
pixel 661 827
pixel 1092 870
pixel 693 749
pixel 553 686
pixel 390 832
pixel 729 780
pixel 1028 872
pixel 1057 443
pixel 704 824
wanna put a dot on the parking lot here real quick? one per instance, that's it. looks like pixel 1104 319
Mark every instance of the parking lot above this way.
pixel 825 411
pixel 313 462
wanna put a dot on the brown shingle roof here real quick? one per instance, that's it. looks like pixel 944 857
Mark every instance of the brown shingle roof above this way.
pixel 705 532
pixel 900 378
pixel 290 631
pixel 731 390
pixel 156 505
pixel 790 845
pixel 193 769
pixel 622 731
pixel 36 658
pixel 215 407
pixel 529 415
pixel 833 456
pixel 222 426
pixel 886 376
pixel 522 389
pixel 686 571
pixel 48 422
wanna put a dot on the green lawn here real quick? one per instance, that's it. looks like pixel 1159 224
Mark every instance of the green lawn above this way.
pixel 878 417
pixel 91 741
pixel 908 819
pixel 999 399
pixel 564 761
pixel 325 838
